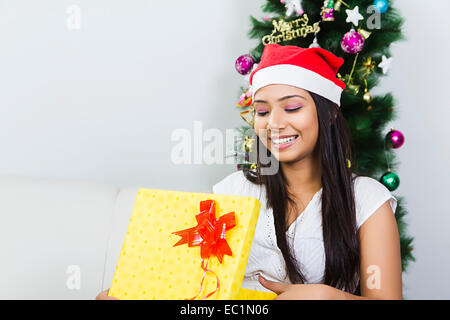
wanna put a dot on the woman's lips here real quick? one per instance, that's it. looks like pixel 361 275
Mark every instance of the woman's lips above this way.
pixel 283 142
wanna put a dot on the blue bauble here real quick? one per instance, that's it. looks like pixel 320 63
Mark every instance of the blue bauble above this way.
pixel 382 5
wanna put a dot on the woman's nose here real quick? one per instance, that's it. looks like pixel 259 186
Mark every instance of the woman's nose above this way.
pixel 276 120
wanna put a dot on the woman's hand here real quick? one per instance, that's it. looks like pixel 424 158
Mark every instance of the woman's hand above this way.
pixel 104 296
pixel 295 291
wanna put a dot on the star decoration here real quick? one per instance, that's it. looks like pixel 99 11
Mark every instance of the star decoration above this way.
pixel 354 16
pixel 385 64
pixel 293 6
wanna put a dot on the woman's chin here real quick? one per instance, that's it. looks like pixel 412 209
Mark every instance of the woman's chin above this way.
pixel 286 155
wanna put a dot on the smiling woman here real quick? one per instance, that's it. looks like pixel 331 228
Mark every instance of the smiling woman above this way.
pixel 318 230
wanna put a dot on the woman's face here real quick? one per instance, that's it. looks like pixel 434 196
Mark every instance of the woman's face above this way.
pixel 286 121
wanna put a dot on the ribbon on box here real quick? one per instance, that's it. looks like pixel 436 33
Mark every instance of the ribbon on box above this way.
pixel 209 234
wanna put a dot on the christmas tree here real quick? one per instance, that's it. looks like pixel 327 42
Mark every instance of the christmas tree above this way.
pixel 360 32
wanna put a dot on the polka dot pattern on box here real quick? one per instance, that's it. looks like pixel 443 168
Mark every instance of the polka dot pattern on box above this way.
pixel 149 267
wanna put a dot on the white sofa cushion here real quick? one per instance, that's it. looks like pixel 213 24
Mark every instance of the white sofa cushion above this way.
pixel 120 220
pixel 48 225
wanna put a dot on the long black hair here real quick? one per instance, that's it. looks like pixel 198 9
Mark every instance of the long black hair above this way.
pixel 340 234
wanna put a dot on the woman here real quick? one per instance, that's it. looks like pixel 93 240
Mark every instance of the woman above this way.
pixel 321 227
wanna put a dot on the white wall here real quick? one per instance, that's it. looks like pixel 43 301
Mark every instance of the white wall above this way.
pixel 419 81
pixel 100 103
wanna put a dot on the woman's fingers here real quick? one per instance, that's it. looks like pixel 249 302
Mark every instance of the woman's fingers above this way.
pixel 274 286
pixel 104 296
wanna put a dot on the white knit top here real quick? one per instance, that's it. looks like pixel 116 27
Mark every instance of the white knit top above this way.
pixel 304 234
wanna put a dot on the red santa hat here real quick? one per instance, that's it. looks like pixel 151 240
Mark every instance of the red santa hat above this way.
pixel 312 69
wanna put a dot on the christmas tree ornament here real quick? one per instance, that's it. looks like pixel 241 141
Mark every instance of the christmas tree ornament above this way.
pixel 381 5
pixel 338 3
pixel 390 180
pixel 395 138
pixel 314 44
pixel 385 64
pixel 247 166
pixel 289 30
pixel 327 12
pixel 245 100
pixel 248 116
pixel 244 64
pixel 367 96
pixel 367 67
pixel 248 143
pixel 293 6
pixel 353 88
pixel 350 86
pixel 247 147
pixel 366 34
pixel 352 42
pixel 354 16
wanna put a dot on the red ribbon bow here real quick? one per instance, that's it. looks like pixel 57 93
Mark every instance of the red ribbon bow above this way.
pixel 209 234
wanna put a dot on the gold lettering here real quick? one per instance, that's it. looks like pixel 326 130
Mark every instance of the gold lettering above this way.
pixel 266 40
pixel 316 27
pixel 306 19
pixel 286 31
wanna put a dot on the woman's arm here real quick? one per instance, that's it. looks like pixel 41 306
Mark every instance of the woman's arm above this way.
pixel 381 266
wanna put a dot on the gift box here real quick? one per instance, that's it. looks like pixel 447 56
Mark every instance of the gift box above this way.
pixel 183 245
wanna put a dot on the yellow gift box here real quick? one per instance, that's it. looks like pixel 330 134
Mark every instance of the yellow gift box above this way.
pixel 150 267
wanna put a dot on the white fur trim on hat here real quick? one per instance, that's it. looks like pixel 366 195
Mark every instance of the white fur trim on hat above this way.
pixel 298 77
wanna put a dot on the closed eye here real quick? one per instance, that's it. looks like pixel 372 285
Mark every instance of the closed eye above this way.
pixel 263 113
pixel 292 110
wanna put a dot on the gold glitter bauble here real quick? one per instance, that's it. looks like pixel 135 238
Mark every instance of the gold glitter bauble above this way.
pixel 367 97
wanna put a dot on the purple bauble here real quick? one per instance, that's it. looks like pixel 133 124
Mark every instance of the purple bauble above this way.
pixel 352 42
pixel 244 64
pixel 395 139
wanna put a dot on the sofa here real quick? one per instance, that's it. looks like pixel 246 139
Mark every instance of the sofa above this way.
pixel 60 239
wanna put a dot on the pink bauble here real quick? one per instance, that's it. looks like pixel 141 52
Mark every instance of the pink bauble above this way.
pixel 352 42
pixel 395 138
pixel 244 64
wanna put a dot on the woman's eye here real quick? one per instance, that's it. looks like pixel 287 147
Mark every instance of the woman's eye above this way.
pixel 293 109
pixel 261 113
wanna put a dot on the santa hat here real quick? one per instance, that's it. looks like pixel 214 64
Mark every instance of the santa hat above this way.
pixel 312 69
